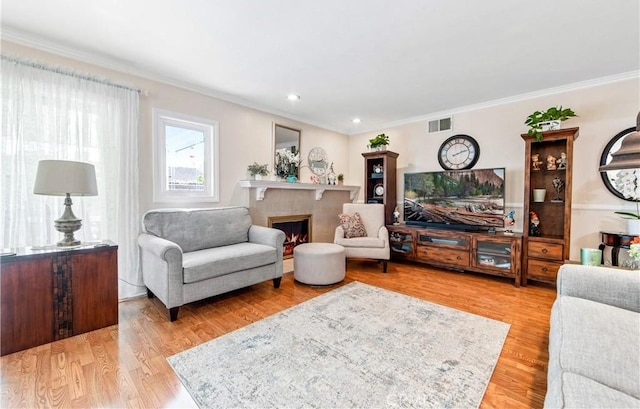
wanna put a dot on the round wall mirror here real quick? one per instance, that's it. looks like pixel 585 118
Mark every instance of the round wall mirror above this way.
pixel 609 177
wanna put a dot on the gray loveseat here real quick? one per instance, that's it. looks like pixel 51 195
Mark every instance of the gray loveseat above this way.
pixel 594 341
pixel 191 254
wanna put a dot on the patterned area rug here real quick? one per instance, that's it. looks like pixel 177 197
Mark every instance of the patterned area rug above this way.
pixel 356 346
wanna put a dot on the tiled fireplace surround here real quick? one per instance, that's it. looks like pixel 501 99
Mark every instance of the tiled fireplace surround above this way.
pixel 279 199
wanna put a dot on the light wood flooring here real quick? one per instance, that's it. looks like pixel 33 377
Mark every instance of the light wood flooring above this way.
pixel 125 365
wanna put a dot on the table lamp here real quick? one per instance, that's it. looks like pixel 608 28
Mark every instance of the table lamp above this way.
pixel 66 178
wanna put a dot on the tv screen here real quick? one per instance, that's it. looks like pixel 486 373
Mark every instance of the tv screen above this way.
pixel 462 199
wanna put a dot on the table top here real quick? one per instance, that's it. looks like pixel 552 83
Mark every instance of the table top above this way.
pixel 13 253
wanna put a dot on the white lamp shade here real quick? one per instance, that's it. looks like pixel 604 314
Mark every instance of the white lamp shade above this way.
pixel 59 177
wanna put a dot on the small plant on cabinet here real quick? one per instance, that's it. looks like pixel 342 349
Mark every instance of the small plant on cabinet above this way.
pixel 550 119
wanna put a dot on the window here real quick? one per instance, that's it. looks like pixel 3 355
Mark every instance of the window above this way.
pixel 186 158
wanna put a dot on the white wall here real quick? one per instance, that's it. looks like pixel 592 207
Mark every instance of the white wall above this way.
pixel 245 134
pixel 603 111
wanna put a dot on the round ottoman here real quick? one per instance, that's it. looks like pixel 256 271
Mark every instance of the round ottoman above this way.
pixel 318 263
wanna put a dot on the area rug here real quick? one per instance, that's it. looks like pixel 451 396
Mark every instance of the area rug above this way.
pixel 357 346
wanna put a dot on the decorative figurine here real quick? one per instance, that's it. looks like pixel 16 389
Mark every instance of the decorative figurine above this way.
pixel 331 175
pixel 509 218
pixel 558 185
pixel 534 224
pixel 551 162
pixel 562 161
pixel 396 216
pixel 536 162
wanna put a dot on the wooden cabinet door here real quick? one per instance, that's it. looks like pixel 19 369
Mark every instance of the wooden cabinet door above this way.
pixel 27 298
pixel 95 290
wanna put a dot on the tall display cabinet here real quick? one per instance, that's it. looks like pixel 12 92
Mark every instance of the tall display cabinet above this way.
pixel 380 181
pixel 548 166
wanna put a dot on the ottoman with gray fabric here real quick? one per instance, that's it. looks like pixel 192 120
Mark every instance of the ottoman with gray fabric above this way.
pixel 594 339
pixel 319 263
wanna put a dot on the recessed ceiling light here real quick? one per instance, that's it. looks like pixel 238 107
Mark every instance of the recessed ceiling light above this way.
pixel 356 120
pixel 293 97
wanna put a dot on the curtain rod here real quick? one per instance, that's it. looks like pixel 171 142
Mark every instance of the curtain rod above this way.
pixel 68 72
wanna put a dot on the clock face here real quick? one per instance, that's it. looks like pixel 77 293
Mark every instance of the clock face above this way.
pixel 459 152
pixel 378 190
pixel 377 168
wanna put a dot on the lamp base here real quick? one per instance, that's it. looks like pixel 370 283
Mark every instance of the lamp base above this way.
pixel 67 224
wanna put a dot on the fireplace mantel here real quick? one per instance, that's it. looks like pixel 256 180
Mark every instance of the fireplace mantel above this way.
pixel 261 187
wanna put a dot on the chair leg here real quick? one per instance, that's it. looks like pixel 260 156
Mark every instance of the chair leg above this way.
pixel 173 313
pixel 384 266
pixel 276 282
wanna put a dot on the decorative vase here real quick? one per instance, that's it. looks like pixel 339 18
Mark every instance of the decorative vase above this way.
pixel 550 125
pixel 539 194
pixel 633 227
pixel 257 177
pixel 292 179
pixel 379 148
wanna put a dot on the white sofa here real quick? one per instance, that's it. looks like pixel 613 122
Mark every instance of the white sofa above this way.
pixel 191 254
pixel 594 339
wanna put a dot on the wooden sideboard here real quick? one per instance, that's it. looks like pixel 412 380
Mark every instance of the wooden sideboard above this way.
pixel 53 294
pixel 497 254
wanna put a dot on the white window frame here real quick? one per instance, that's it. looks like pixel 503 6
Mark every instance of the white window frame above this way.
pixel 162 119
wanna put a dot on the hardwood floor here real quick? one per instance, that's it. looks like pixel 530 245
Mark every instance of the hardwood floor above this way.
pixel 125 365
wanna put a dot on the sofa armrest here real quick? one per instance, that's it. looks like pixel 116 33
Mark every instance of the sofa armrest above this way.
pixel 339 234
pixel 161 264
pixel 383 234
pixel 612 286
pixel 267 236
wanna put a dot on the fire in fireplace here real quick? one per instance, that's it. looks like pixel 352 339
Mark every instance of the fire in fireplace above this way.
pixel 296 228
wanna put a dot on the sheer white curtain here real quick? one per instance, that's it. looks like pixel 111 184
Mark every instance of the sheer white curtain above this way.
pixel 54 113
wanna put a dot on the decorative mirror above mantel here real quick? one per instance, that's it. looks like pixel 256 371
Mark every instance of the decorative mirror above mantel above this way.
pixel 285 137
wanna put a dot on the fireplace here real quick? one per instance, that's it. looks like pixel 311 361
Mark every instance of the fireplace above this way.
pixel 296 228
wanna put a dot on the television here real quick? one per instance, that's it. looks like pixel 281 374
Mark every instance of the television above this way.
pixel 470 199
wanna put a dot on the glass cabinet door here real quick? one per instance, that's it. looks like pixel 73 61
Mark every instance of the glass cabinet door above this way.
pixel 493 254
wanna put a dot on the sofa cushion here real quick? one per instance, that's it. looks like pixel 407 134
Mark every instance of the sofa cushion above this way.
pixel 352 225
pixel 218 261
pixel 197 229
pixel 370 242
pixel 595 341
pixel 580 392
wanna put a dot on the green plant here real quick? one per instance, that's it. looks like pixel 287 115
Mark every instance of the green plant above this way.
pixel 379 140
pixel 257 169
pixel 340 177
pixel 535 120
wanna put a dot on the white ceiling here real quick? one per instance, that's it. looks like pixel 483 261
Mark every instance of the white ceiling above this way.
pixel 384 61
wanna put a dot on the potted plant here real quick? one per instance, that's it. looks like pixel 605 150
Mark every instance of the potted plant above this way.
pixel 379 143
pixel 548 120
pixel 340 179
pixel 257 171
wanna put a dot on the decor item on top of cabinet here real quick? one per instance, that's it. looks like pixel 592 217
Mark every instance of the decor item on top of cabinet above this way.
pixel 396 216
pixel 379 143
pixel 257 171
pixel 458 152
pixel 548 120
pixel 340 179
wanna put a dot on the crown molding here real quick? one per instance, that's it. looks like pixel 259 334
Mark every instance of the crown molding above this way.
pixel 126 67
pixel 508 100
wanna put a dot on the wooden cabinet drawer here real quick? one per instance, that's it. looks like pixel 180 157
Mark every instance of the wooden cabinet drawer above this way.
pixel 547 251
pixel 436 255
pixel 542 270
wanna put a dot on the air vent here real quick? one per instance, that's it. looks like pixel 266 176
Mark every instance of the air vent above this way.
pixel 438 125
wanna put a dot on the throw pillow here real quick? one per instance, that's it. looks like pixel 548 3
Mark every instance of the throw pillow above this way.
pixel 352 225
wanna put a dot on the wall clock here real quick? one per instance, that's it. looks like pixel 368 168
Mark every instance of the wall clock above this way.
pixel 378 169
pixel 458 152
pixel 609 177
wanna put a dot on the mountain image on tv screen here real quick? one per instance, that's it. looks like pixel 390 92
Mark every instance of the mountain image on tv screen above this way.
pixel 472 197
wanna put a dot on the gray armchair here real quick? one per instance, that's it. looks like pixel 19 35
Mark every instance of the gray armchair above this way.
pixel 375 244
pixel 191 254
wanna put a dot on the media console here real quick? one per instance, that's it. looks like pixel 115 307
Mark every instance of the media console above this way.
pixel 497 254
